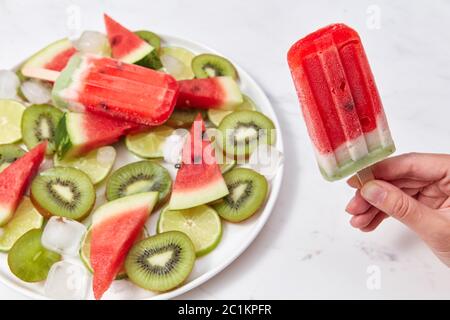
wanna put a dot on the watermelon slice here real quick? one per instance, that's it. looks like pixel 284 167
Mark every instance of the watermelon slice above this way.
pixel 210 93
pixel 54 57
pixel 115 227
pixel 125 45
pixel 112 88
pixel 199 179
pixel 79 133
pixel 15 179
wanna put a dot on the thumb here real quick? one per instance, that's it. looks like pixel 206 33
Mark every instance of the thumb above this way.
pixel 397 204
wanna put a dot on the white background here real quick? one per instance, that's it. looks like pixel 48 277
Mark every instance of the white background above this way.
pixel 307 249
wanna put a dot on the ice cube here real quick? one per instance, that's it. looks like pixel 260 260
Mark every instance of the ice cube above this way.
pixel 172 65
pixel 63 235
pixel 93 42
pixel 266 160
pixel 173 146
pixel 67 280
pixel 36 91
pixel 9 82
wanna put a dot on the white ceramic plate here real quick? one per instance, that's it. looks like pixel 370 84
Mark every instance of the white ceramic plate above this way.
pixel 236 237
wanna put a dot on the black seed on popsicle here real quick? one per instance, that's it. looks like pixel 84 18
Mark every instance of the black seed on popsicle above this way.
pixel 349 106
pixel 103 105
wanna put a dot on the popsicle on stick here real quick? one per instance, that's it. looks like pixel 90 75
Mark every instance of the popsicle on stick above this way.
pixel 112 88
pixel 340 102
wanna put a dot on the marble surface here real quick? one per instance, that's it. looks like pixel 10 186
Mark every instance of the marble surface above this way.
pixel 307 249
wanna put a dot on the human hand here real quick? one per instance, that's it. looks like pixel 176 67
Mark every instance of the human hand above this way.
pixel 412 188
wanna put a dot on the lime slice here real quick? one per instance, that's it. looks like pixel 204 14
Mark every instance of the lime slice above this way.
pixel 25 218
pixel 85 251
pixel 10 121
pixel 177 62
pixel 216 116
pixel 148 144
pixel 202 224
pixel 96 164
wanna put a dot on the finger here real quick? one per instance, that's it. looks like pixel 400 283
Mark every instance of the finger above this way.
pixel 410 183
pixel 357 205
pixel 354 182
pixel 411 192
pixel 396 203
pixel 379 218
pixel 431 202
pixel 423 166
pixel 363 220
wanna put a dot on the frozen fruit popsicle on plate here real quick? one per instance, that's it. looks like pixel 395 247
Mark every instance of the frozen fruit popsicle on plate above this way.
pixel 112 88
pixel 340 102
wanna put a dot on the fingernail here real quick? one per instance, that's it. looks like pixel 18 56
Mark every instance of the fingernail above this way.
pixel 373 193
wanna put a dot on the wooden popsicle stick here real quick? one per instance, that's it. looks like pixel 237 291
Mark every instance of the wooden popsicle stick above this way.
pixel 40 73
pixel 364 176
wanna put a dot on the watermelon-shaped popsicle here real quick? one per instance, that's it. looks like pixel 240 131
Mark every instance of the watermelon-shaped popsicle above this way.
pixel 340 102
pixel 115 227
pixel 114 89
pixel 79 133
pixel 15 179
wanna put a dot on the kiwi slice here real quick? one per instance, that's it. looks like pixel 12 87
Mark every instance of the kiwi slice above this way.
pixel 242 131
pixel 161 262
pixel 150 37
pixel 183 118
pixel 39 123
pixel 65 192
pixel 210 65
pixel 137 177
pixel 8 154
pixel 248 190
pixel 152 60
pixel 29 260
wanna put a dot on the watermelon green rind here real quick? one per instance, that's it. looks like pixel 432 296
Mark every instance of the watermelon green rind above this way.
pixel 233 95
pixel 44 56
pixel 195 196
pixel 138 54
pixel 62 138
pixel 125 204
pixel 64 80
